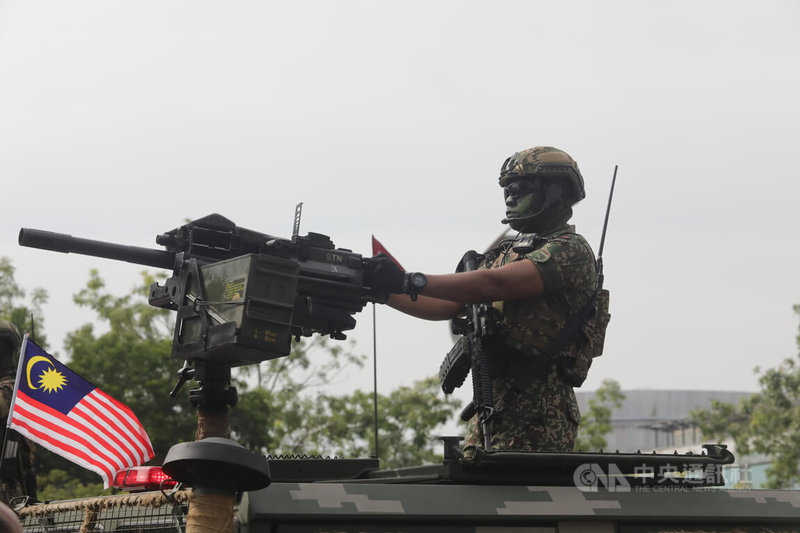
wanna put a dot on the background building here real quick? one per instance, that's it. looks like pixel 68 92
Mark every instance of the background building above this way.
pixel 653 419
pixel 658 420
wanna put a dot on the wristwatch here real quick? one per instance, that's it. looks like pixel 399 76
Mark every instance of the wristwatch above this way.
pixel 414 283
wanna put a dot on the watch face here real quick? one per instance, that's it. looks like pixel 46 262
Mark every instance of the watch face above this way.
pixel 419 280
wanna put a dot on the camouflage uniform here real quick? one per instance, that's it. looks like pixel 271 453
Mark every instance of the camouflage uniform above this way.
pixel 545 416
pixel 17 478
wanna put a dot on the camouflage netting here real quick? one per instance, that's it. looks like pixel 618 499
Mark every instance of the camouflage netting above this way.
pixel 89 513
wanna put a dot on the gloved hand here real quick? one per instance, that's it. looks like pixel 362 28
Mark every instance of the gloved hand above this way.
pixel 383 275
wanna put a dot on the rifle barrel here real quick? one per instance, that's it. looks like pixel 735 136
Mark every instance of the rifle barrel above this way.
pixel 61 242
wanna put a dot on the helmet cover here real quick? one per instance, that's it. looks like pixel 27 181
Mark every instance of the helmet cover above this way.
pixel 546 162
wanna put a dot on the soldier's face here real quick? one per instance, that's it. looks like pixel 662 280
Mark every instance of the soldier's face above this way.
pixel 523 197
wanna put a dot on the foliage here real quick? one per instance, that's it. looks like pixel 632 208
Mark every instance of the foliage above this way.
pixel 280 411
pixel 58 484
pixel 408 417
pixel 20 313
pixel 283 416
pixel 767 422
pixel 596 424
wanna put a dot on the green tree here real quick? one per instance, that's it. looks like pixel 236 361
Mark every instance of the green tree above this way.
pixel 291 414
pixel 596 423
pixel 60 484
pixel 279 409
pixel 768 422
pixel 408 417
pixel 12 307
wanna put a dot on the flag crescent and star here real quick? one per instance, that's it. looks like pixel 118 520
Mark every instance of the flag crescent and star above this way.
pixel 43 377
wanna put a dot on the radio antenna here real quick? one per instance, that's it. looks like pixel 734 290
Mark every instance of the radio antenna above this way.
pixel 600 275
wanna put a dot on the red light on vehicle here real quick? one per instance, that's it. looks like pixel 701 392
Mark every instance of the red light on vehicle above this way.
pixel 143 478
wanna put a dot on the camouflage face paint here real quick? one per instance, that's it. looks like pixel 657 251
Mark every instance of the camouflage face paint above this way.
pixel 523 197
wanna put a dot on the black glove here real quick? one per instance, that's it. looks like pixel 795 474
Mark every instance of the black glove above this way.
pixel 383 275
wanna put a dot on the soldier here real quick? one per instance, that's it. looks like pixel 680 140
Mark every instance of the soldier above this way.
pixel 536 282
pixel 17 476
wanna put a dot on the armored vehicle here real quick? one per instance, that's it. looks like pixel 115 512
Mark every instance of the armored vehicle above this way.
pixel 495 492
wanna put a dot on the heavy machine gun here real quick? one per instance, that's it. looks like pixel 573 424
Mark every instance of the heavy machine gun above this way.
pixel 240 295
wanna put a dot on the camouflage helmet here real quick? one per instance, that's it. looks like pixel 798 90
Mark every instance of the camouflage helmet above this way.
pixel 547 162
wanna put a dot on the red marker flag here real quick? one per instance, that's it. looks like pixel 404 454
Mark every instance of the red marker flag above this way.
pixel 56 408
pixel 377 248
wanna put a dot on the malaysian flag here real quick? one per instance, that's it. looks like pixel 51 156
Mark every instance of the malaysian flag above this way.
pixel 56 408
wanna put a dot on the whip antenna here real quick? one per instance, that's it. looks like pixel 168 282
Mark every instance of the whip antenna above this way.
pixel 603 235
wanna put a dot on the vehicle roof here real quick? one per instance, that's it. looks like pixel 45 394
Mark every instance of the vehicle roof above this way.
pixel 514 502
pixel 515 487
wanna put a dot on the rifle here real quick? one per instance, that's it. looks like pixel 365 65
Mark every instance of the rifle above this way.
pixel 469 350
pixel 240 295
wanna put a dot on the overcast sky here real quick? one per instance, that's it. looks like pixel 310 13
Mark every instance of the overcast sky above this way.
pixel 118 120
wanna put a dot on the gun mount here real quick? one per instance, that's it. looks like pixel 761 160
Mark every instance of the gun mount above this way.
pixel 240 295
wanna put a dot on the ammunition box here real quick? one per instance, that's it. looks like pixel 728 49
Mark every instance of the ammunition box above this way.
pixel 245 314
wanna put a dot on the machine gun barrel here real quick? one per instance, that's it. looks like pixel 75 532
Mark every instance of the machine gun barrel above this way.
pixel 61 242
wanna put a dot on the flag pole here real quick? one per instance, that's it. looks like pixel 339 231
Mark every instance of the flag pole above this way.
pixel 22 347
pixel 377 248
pixel 375 375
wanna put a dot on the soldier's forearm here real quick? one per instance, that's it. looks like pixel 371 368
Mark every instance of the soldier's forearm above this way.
pixel 521 279
pixel 425 307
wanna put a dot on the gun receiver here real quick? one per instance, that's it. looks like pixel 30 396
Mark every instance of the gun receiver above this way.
pixel 240 295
